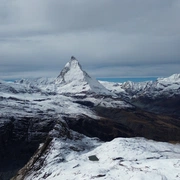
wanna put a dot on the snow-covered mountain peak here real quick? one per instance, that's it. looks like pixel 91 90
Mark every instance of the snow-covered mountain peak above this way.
pixel 71 72
pixel 73 63
pixel 73 79
pixel 172 78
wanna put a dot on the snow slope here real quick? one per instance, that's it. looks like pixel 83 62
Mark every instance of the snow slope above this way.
pixel 73 79
pixel 175 78
pixel 122 158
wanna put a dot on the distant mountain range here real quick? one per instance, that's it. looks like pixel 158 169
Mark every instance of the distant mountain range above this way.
pixel 60 124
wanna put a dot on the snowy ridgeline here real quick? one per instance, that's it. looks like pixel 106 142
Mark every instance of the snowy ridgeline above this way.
pixel 74 93
pixel 122 158
pixel 168 86
pixel 31 105
pixel 74 80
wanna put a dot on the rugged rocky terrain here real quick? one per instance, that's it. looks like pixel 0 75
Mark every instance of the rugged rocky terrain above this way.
pixel 57 111
pixel 161 96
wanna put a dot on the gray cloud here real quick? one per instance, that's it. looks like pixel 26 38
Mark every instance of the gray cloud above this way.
pixel 109 37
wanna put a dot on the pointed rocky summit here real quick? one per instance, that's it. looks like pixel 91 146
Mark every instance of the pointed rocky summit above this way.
pixel 73 58
pixel 71 72
pixel 73 79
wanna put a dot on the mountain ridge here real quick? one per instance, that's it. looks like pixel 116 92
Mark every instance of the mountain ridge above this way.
pixel 53 113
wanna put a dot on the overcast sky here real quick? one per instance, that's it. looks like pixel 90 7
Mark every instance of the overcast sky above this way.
pixel 110 38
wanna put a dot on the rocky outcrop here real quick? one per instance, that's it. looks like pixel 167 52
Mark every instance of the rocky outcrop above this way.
pixel 161 96
pixel 19 139
pixel 36 157
pixel 60 132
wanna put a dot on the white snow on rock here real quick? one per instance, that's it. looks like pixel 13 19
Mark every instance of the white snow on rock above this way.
pixel 31 105
pixel 113 87
pixel 122 158
pixel 167 86
pixel 73 79
pixel 171 79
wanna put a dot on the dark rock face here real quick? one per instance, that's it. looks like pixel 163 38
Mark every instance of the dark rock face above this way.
pixel 37 156
pixel 73 58
pixel 127 123
pixel 60 131
pixel 104 129
pixel 86 103
pixel 19 139
pixel 145 124
pixel 169 106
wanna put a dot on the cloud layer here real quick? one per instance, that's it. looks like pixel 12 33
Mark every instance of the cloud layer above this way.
pixel 110 38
